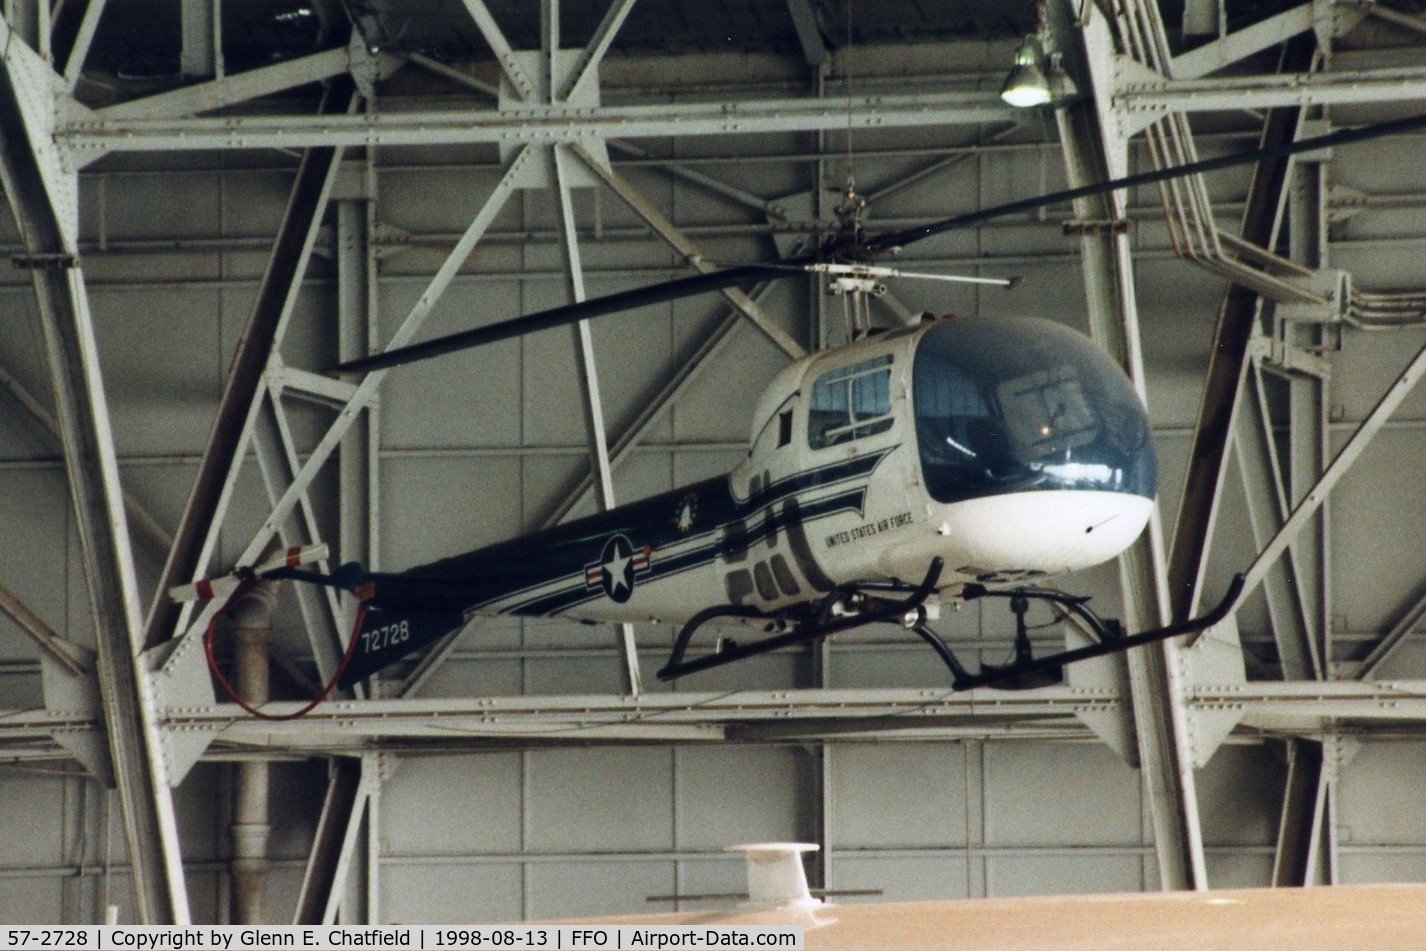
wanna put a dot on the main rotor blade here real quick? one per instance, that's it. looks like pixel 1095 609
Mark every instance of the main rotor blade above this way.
pixel 747 275
pixel 898 239
pixel 744 275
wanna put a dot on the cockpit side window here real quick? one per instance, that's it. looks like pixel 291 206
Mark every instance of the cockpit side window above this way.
pixel 850 403
pixel 777 431
pixel 784 428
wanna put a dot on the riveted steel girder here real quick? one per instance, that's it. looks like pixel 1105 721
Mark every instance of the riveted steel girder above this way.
pixel 39 191
pixel 93 135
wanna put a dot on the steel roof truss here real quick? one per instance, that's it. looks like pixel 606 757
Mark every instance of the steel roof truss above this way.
pixel 278 462
pixel 690 252
pixel 1341 464
pixel 510 64
pixel 206 508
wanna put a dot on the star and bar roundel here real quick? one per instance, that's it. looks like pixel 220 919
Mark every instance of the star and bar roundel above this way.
pixel 619 564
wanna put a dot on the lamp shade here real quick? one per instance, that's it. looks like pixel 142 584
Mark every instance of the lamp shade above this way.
pixel 1026 85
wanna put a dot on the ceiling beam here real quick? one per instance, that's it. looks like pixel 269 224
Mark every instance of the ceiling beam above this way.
pixel 1239 45
pixel 1146 95
pixel 92 135
pixel 1278 707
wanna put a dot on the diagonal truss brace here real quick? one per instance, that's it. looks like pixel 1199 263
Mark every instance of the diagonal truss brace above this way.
pixel 252 84
pixel 1350 452
pixel 690 252
pixel 589 379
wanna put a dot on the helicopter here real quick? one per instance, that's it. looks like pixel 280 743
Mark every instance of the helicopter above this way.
pixel 920 464
pixel 951 460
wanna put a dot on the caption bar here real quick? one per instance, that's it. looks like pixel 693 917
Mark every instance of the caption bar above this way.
pixel 423 938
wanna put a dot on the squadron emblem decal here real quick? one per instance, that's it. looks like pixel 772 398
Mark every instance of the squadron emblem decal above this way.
pixel 619 564
pixel 686 515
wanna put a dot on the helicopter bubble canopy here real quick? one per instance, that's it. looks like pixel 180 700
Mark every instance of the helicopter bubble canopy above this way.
pixel 1014 404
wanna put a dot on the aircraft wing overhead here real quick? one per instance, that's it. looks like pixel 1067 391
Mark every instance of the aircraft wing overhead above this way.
pixel 1327 918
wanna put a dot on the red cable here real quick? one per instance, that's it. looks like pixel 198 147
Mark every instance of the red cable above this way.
pixel 232 693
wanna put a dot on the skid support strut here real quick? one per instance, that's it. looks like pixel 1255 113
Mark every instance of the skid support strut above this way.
pixel 844 608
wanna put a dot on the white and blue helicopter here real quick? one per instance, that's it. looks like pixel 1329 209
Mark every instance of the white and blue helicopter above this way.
pixel 942 460
pixel 951 460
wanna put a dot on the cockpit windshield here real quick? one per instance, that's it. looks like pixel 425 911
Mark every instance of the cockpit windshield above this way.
pixel 1017 404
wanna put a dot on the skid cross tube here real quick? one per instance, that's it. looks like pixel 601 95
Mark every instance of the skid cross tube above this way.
pixel 880 610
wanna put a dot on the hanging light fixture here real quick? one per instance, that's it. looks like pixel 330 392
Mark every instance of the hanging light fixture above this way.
pixel 1026 85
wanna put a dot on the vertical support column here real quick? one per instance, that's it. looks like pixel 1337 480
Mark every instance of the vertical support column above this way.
pixel 199 24
pixel 375 769
pixel 1290 616
pixel 43 196
pixel 821 659
pixel 1309 440
pixel 324 881
pixel 252 629
pixel 356 319
pixel 973 759
pixel 358 472
pixel 1094 151
pixel 1299 859
pixel 1305 852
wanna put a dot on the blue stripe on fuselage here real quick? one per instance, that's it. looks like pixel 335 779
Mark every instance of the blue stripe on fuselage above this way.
pixel 515 576
pixel 673 564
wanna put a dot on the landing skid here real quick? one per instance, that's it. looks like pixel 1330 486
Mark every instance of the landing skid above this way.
pixel 1029 671
pixel 855 605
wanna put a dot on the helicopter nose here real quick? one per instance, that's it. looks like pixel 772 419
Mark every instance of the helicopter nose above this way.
pixel 1048 532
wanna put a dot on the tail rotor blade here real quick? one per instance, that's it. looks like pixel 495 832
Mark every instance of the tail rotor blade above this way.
pixel 206 589
pixel 222 587
pixel 292 557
